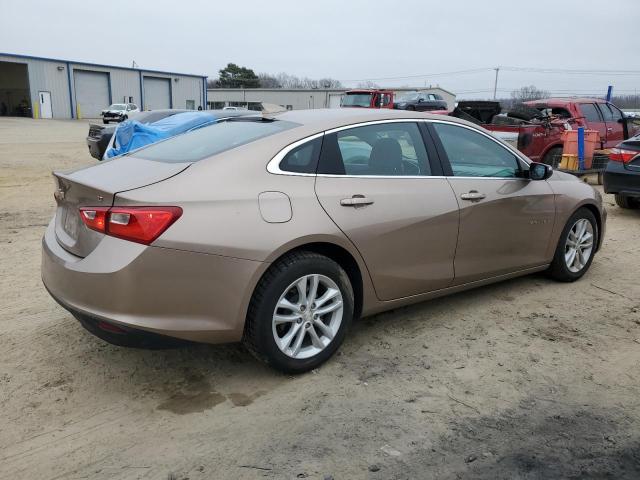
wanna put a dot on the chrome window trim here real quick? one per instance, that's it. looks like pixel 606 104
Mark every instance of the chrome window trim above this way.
pixel 274 164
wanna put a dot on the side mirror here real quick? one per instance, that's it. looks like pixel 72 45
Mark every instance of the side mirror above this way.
pixel 539 171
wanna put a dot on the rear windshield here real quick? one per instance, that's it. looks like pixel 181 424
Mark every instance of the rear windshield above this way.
pixel 211 140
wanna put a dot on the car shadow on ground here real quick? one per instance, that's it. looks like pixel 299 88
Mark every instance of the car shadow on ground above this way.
pixel 233 360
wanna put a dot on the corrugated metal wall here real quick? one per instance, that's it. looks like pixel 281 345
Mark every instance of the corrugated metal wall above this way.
pixel 45 76
pixel 188 88
pixel 300 99
pixel 56 77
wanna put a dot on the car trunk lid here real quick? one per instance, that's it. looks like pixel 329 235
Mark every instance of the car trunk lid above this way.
pixel 96 186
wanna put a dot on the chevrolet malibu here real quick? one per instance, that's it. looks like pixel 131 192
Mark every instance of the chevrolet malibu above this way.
pixel 279 230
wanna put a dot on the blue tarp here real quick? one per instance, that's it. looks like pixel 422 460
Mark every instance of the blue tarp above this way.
pixel 131 134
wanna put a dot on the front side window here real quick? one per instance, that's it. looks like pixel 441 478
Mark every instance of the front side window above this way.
pixel 357 100
pixel 472 154
pixel 386 149
pixel 590 112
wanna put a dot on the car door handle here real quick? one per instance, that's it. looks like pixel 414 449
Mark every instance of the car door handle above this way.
pixel 473 195
pixel 609 129
pixel 356 201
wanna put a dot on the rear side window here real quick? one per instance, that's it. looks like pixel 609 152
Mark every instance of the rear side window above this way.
pixel 386 149
pixel 211 140
pixel 302 159
pixel 610 113
pixel 590 112
pixel 472 154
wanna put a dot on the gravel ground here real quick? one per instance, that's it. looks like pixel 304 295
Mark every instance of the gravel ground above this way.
pixel 525 379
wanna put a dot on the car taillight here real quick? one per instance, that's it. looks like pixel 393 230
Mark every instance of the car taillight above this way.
pixel 94 217
pixel 136 224
pixel 622 155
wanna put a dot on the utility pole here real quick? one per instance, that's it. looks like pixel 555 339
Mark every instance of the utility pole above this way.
pixel 495 84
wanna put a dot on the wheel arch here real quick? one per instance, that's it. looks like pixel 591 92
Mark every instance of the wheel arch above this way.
pixel 598 215
pixel 549 148
pixel 355 270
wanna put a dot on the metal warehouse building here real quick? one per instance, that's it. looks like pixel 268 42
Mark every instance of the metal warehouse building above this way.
pixel 51 88
pixel 297 99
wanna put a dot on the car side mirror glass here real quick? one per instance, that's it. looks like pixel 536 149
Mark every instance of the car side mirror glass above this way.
pixel 539 171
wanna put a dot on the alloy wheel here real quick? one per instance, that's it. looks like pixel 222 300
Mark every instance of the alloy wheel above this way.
pixel 307 316
pixel 579 245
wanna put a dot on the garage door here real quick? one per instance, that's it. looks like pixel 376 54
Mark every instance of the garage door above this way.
pixel 157 93
pixel 92 92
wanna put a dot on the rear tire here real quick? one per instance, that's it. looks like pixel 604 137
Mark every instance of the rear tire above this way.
pixel 268 326
pixel 624 201
pixel 568 268
pixel 411 108
pixel 553 157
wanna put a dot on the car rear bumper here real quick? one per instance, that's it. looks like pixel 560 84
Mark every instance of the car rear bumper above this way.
pixel 97 146
pixel 620 180
pixel 192 296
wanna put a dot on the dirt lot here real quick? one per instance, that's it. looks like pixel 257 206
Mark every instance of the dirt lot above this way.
pixel 521 380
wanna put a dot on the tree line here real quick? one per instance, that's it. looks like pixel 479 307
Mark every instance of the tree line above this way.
pixel 235 76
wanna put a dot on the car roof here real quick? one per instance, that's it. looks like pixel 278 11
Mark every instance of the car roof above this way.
pixel 327 118
pixel 564 101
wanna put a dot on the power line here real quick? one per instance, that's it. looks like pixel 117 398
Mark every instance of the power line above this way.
pixel 561 71
pixel 566 71
pixel 440 74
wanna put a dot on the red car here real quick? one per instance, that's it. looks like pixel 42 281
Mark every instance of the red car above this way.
pixel 590 113
pixel 368 98
pixel 539 136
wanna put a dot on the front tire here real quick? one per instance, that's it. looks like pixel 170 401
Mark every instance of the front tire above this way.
pixel 576 247
pixel 299 313
pixel 625 201
pixel 106 122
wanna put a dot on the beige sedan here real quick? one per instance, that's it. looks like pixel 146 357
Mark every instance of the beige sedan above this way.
pixel 279 231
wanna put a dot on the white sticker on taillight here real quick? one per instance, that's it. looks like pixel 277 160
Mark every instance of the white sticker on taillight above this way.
pixel 89 214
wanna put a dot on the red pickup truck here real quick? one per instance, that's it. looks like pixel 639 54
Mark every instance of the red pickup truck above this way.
pixel 536 128
pixel 368 98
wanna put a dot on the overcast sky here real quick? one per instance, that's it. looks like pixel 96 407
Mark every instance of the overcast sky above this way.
pixel 350 40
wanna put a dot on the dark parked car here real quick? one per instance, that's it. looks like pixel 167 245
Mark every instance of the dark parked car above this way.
pixel 622 176
pixel 100 135
pixel 421 102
